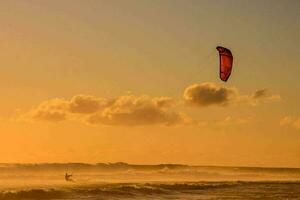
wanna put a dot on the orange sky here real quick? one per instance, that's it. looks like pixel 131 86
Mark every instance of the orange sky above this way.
pixel 137 81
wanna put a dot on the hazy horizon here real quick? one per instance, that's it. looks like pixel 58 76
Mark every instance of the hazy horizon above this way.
pixel 139 165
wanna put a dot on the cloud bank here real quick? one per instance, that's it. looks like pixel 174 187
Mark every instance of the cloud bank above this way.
pixel 143 110
pixel 209 94
pixel 122 111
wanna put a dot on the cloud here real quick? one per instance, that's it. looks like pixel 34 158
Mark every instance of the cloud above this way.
pixel 121 111
pixel 208 94
pixel 164 102
pixel 286 120
pixel 261 96
pixel 142 110
pixel 53 110
pixel 290 121
pixel 131 110
pixel 86 104
pixel 228 121
pixel 297 123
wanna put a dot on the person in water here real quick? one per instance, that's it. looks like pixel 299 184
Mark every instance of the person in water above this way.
pixel 68 177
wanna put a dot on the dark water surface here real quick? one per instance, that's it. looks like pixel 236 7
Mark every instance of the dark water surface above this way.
pixel 196 190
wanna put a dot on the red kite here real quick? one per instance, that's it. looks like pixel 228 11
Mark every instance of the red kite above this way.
pixel 226 61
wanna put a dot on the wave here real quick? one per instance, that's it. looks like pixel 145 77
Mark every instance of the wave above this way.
pixel 123 172
pixel 125 166
pixel 32 194
pixel 130 190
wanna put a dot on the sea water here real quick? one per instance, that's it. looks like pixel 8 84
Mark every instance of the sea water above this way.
pixel 124 181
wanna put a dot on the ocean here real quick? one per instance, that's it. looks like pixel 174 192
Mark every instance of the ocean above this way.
pixel 121 181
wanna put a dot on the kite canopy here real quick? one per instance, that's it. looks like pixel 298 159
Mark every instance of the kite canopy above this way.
pixel 226 60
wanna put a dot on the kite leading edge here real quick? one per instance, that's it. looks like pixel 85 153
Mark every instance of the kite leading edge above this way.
pixel 226 61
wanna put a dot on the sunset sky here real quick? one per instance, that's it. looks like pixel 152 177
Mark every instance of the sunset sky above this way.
pixel 137 81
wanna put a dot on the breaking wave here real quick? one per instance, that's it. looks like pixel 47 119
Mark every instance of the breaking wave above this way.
pixel 134 191
pixel 32 194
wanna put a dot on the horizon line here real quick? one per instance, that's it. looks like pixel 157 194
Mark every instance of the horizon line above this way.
pixel 132 164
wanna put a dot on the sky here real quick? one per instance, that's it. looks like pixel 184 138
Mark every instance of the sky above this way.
pixel 137 81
